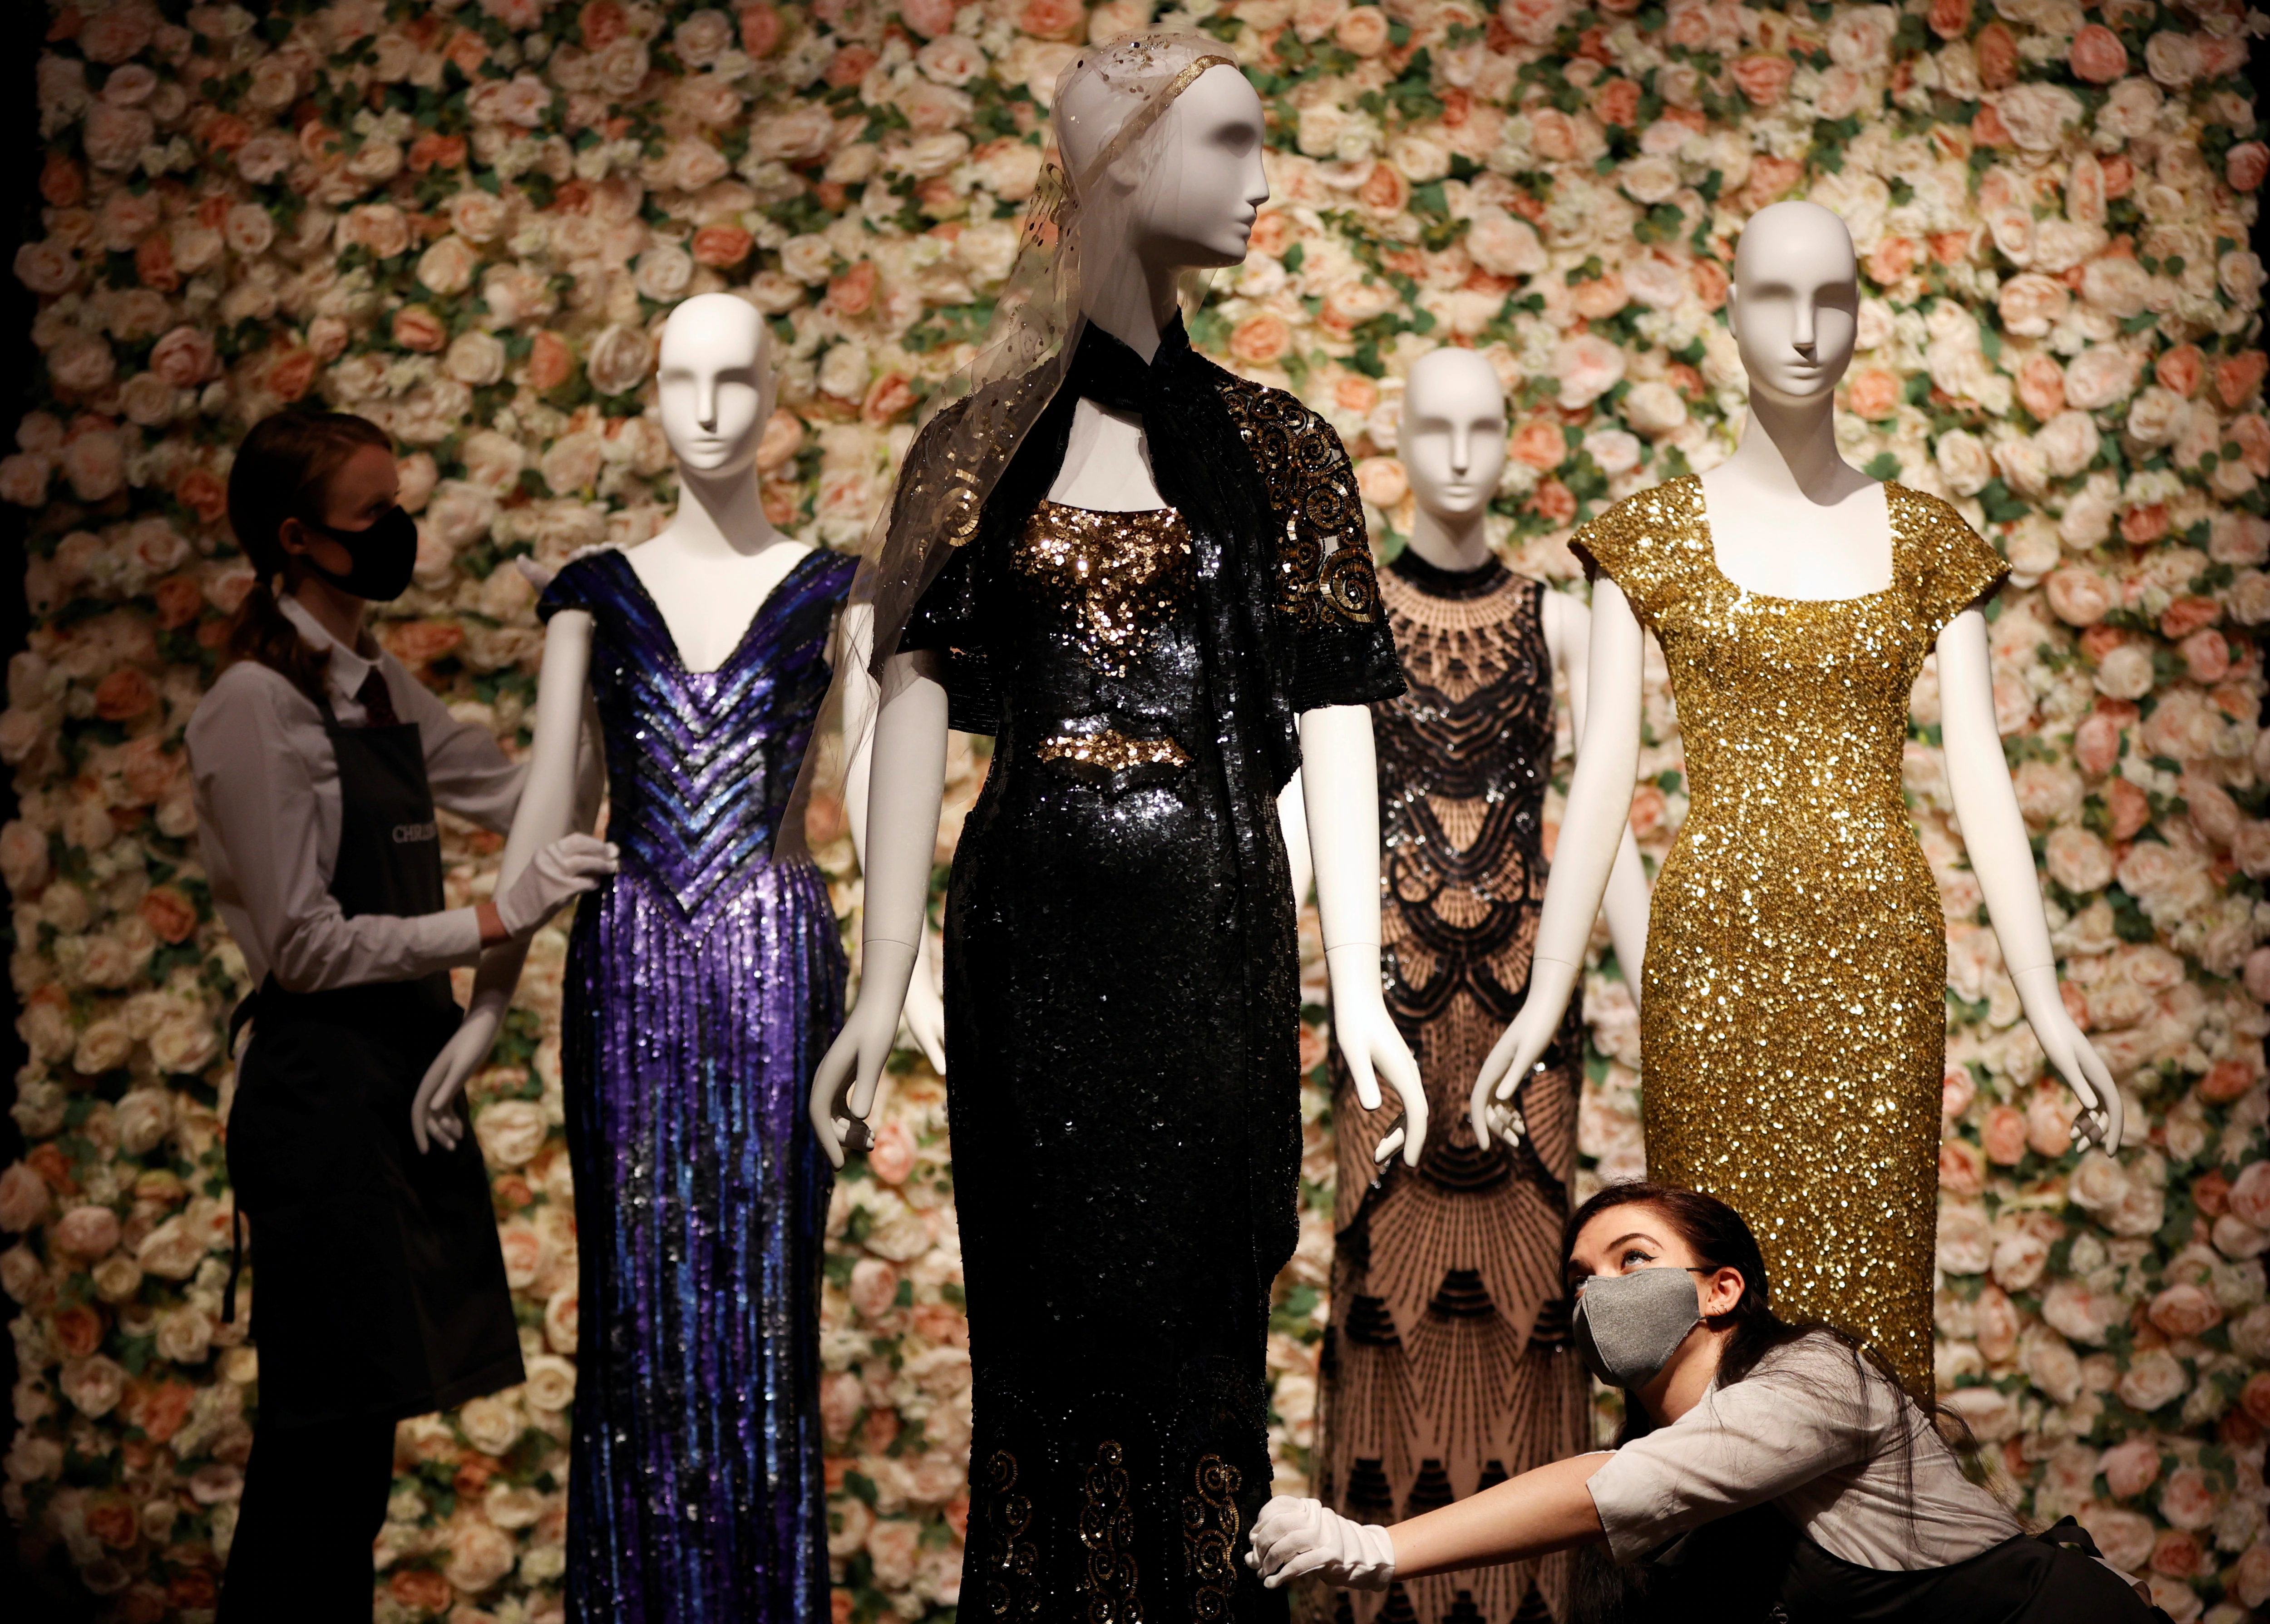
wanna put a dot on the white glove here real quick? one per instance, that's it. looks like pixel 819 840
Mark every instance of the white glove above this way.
pixel 559 873
pixel 1296 1536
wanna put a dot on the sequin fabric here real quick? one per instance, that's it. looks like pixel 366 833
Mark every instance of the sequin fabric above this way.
pixel 1447 1365
pixel 1123 1005
pixel 1114 576
pixel 1794 1019
pixel 703 983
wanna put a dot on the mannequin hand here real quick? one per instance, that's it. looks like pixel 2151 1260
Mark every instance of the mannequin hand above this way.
pixel 1294 1536
pixel 555 876
pixel 843 1086
pixel 433 1116
pixel 1519 1051
pixel 2075 1058
pixel 1372 1047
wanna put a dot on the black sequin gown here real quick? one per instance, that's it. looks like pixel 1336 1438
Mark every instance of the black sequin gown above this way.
pixel 1122 1000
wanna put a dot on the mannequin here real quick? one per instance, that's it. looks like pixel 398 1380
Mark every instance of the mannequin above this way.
pixel 709 571
pixel 1106 469
pixel 1138 616
pixel 1787 540
pixel 1447 1363
pixel 702 984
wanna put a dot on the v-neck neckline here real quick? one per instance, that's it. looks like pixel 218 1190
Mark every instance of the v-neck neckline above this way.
pixel 1710 554
pixel 756 615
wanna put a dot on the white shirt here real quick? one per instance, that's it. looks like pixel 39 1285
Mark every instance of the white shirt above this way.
pixel 1845 1457
pixel 268 818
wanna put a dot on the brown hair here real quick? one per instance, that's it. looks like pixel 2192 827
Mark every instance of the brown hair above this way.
pixel 282 470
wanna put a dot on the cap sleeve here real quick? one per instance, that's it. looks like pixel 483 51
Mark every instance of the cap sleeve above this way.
pixel 1953 567
pixel 948 620
pixel 1342 648
pixel 571 588
pixel 1646 543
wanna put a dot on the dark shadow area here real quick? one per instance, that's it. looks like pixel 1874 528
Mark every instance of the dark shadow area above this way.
pixel 52 1595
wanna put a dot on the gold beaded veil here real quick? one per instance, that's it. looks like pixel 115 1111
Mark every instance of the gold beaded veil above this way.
pixel 1108 102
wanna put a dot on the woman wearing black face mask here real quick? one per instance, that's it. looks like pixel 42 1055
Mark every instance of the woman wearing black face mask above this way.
pixel 378 1283
pixel 1767 1470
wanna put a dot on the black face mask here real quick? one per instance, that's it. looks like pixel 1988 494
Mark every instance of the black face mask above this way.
pixel 383 555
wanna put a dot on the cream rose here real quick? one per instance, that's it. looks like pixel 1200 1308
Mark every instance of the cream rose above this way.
pixel 511 1131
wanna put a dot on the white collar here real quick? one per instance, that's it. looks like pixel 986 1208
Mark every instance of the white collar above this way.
pixel 349 668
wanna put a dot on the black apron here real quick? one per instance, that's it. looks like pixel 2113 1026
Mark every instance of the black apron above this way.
pixel 379 1281
pixel 1757 1568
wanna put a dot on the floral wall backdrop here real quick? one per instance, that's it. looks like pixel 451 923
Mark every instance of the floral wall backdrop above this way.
pixel 467 221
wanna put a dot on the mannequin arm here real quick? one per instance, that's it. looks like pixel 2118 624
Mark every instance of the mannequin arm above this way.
pixel 922 1021
pixel 1293 821
pixel 907 780
pixel 1569 630
pixel 555 795
pixel 1342 801
pixel 2002 857
pixel 1594 828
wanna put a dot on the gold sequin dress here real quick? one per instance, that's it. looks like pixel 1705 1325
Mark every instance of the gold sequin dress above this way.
pixel 1793 1018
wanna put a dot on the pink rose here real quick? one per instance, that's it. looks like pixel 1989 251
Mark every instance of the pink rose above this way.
pixel 2100 375
pixel 2184 1310
pixel 874 1285
pixel 88 1231
pixel 447 267
pixel 95 465
pixel 892 1155
pixel 2032 303
pixel 2097 56
pixel 113 136
pixel 2078 860
pixel 92 1383
pixel 1588 365
pixel 2005 1135
pixel 2079 595
pixel 184 356
pixel 2131 1467
pixel 2190 1501
pixel 2250 1194
pixel 2153 1379
pixel 1763 77
pixel 2097 744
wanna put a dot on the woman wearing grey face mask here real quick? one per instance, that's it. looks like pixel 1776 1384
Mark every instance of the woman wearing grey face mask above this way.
pixel 1766 1470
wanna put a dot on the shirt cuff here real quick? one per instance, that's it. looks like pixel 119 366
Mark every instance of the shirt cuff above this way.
pixel 458 930
pixel 1625 1508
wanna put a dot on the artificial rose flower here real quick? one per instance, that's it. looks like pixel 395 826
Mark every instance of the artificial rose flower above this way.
pixel 1588 366
pixel 618 360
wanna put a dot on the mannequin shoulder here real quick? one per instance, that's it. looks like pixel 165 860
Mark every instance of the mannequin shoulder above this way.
pixel 1929 516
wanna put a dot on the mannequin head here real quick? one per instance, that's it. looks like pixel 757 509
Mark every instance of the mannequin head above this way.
pixel 1184 193
pixel 1794 305
pixel 1452 434
pixel 716 383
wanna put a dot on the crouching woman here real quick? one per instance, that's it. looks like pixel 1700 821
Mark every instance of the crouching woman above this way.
pixel 1766 1469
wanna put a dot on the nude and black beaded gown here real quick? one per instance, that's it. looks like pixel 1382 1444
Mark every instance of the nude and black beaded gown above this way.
pixel 1447 1366
pixel 1122 982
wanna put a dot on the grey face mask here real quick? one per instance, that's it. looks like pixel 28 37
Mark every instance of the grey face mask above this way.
pixel 1627 1326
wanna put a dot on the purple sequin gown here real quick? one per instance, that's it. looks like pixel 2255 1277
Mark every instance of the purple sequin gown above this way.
pixel 704 982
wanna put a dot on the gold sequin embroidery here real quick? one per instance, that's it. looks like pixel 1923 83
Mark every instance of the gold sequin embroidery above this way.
pixel 1793 1021
pixel 1324 558
pixel 1112 751
pixel 1011 1581
pixel 1115 577
pixel 1107 1535
pixel 1210 1527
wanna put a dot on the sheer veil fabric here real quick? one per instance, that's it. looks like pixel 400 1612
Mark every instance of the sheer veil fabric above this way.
pixel 1109 100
